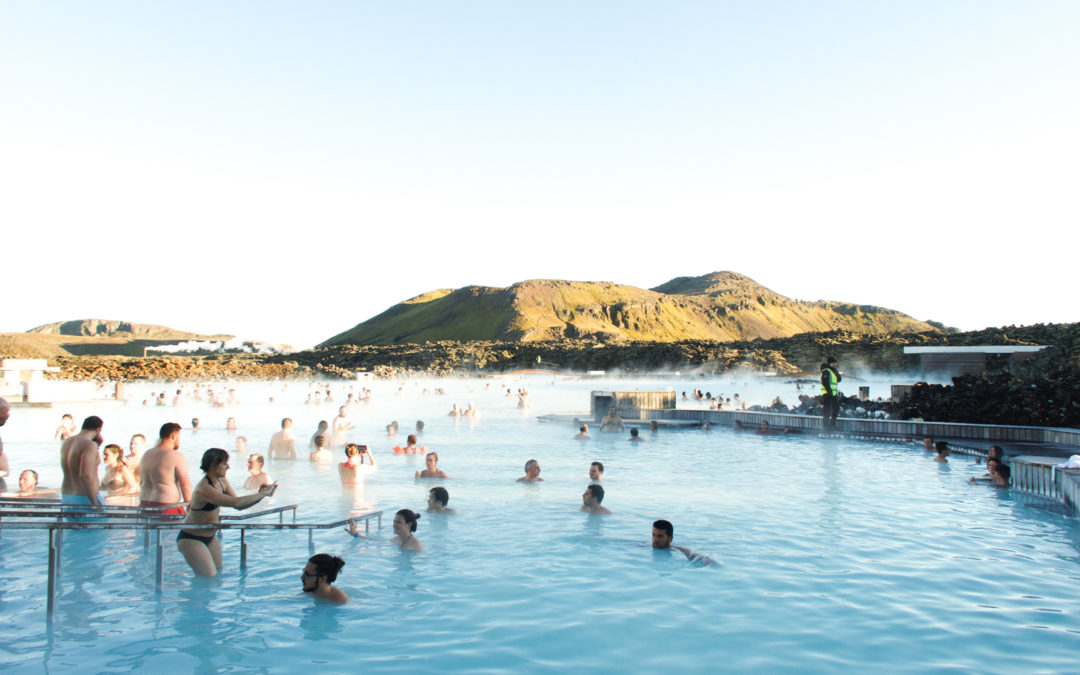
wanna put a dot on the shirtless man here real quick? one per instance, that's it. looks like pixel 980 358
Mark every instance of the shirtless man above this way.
pixel 341 426
pixel 138 442
pixel 612 422
pixel 66 428
pixel 532 472
pixel 79 461
pixel 591 498
pixel 437 501
pixel 583 432
pixel 164 473
pixel 283 443
pixel 663 532
pixel 596 472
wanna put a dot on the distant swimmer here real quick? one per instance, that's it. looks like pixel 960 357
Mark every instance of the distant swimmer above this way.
pixel 404 530
pixel 319 573
pixel 230 424
pixel 634 434
pixel 196 540
pixel 471 411
pixel 654 426
pixel 928 444
pixel 437 501
pixel 532 472
pixel 66 428
pixel 164 472
pixel 320 453
pixel 663 532
pixel 583 432
pixel 454 412
pixel 942 452
pixel 591 498
pixel 354 468
pixel 283 443
pixel 194 423
pixel 764 430
pixel 322 430
pixel 998 474
pixel 411 447
pixel 342 425
pixel 612 422
pixel 241 445
pixel 419 426
pixel 79 461
pixel 257 477
pixel 432 470
pixel 596 472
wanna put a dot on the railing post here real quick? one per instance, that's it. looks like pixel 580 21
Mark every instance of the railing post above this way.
pixel 311 541
pixel 50 603
pixel 159 572
pixel 243 549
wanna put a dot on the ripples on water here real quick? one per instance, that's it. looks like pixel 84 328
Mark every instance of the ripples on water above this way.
pixel 851 556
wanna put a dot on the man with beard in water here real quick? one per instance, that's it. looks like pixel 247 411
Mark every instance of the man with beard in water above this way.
pixel 79 461
pixel 318 575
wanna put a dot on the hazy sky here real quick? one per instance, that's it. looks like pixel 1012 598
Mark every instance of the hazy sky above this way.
pixel 284 171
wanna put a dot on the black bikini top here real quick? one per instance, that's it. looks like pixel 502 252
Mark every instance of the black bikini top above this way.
pixel 208 506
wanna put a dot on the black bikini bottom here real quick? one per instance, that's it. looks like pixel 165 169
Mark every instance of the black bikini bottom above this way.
pixel 185 535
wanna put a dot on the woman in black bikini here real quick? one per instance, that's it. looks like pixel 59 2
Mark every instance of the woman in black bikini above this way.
pixel 200 547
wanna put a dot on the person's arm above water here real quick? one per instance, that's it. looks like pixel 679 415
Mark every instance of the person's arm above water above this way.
pixel 695 557
pixel 212 495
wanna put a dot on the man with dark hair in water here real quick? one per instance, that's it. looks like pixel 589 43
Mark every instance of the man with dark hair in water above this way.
pixel 319 573
pixel 438 498
pixel 591 498
pixel 79 461
pixel 663 532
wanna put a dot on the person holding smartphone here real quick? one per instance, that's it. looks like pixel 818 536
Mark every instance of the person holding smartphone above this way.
pixel 196 539
pixel 358 463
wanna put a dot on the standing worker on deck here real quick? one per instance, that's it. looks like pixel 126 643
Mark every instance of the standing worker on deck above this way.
pixel 830 395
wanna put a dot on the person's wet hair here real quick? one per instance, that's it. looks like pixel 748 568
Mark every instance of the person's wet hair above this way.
pixel 597 492
pixel 995 452
pixel 664 526
pixel 1004 471
pixel 530 463
pixel 92 423
pixel 327 565
pixel 633 431
pixel 212 458
pixel 168 429
pixel 115 449
pixel 352 449
pixel 941 446
pixel 599 466
pixel 440 494
pixel 410 439
pixel 410 518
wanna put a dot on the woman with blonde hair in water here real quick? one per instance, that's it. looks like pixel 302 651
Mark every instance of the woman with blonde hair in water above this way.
pixel 196 539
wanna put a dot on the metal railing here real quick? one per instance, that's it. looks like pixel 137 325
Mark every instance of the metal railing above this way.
pixel 57 519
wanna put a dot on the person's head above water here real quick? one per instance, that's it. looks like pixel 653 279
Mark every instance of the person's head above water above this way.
pixel 941 447
pixel 593 491
pixel 320 571
pixel 596 470
pixel 532 467
pixel 409 518
pixel 212 458
pixel 28 481
pixel 633 432
pixel 410 439
pixel 995 452
pixel 438 495
pixel 663 532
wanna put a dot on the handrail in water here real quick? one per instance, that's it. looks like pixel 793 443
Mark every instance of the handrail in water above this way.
pixel 97 518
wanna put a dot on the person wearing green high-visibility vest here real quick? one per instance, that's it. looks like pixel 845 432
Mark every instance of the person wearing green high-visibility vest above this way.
pixel 830 394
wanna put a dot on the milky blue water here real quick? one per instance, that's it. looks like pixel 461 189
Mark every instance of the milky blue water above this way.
pixel 832 555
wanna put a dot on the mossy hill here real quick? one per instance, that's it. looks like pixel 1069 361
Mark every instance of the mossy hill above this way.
pixel 119 329
pixel 722 307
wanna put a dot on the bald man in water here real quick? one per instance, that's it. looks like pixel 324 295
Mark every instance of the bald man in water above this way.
pixel 79 461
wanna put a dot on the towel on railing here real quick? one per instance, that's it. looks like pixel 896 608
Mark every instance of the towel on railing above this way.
pixel 1072 463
